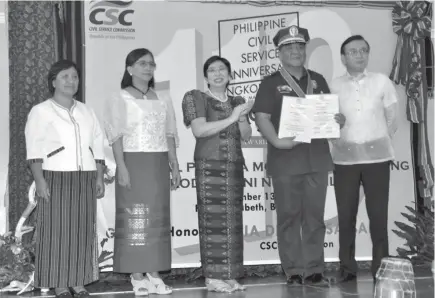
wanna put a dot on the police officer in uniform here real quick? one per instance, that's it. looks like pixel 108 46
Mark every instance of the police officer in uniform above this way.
pixel 299 171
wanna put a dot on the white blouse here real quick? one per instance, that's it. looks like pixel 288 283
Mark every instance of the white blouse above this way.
pixel 64 139
pixel 143 124
pixel 369 103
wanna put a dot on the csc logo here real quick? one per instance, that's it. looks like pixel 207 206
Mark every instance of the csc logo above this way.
pixel 111 16
pixel 269 245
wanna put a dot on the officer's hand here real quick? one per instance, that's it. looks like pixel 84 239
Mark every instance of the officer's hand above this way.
pixel 286 143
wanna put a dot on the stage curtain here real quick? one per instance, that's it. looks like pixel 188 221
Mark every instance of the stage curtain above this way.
pixel 69 21
pixel 363 4
pixel 412 24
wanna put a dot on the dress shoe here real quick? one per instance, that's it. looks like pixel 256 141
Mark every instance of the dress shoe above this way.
pixel 295 280
pixel 316 279
pixel 62 293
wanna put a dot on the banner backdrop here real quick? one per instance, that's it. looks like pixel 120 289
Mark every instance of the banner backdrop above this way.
pixel 182 36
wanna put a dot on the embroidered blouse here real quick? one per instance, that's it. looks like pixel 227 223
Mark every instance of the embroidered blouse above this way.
pixel 223 146
pixel 144 125
pixel 64 139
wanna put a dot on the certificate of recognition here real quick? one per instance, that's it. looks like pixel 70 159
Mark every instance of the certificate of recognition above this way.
pixel 309 118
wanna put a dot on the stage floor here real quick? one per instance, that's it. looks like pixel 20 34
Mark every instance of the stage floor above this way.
pixel 271 287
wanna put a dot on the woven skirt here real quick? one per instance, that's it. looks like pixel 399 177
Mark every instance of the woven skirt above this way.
pixel 219 186
pixel 143 226
pixel 66 242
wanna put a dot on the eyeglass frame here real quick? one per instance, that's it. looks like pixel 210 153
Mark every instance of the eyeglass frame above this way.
pixel 217 70
pixel 143 64
pixel 353 53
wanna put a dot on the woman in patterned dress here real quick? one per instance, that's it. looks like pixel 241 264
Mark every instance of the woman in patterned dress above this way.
pixel 140 126
pixel 219 122
pixel 65 148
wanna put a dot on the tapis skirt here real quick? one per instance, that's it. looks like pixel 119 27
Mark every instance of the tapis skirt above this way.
pixel 66 240
pixel 142 227
pixel 219 186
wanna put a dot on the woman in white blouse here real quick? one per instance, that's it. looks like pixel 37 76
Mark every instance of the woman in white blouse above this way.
pixel 65 148
pixel 140 126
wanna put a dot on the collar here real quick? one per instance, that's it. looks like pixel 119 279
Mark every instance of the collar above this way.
pixel 304 72
pixel 359 77
pixel 62 107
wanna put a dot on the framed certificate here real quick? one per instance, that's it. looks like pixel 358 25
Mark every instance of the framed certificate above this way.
pixel 309 118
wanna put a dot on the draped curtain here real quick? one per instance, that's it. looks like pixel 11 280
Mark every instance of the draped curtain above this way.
pixel 40 33
pixel 412 24
pixel 69 20
pixel 356 4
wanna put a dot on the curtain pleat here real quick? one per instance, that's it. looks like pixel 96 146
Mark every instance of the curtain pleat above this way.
pixel 71 39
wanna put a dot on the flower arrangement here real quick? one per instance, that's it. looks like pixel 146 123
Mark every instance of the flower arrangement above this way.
pixel 16 260
pixel 106 255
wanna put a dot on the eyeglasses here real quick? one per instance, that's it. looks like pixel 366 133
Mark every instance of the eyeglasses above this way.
pixel 354 52
pixel 217 70
pixel 144 64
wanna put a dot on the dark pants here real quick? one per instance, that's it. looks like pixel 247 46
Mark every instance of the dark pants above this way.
pixel 300 207
pixel 375 179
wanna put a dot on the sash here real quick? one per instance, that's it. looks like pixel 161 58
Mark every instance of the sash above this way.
pixel 295 86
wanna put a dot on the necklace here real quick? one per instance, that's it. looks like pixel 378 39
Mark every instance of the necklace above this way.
pixel 144 94
pixel 224 100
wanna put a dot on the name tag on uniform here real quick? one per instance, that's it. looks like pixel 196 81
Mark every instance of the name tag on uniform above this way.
pixel 284 89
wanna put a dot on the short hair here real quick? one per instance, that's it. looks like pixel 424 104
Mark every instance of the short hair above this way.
pixel 212 60
pixel 131 59
pixel 55 69
pixel 349 40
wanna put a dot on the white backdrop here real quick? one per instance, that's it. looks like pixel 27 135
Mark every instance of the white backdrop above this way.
pixel 182 36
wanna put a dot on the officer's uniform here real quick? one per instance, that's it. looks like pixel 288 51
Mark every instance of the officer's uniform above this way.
pixel 299 175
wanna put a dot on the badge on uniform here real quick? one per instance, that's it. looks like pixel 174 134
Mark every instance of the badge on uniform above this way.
pixel 314 84
pixel 284 89
pixel 293 31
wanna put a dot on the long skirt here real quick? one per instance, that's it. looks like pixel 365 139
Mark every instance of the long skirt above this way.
pixel 143 225
pixel 219 186
pixel 66 241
